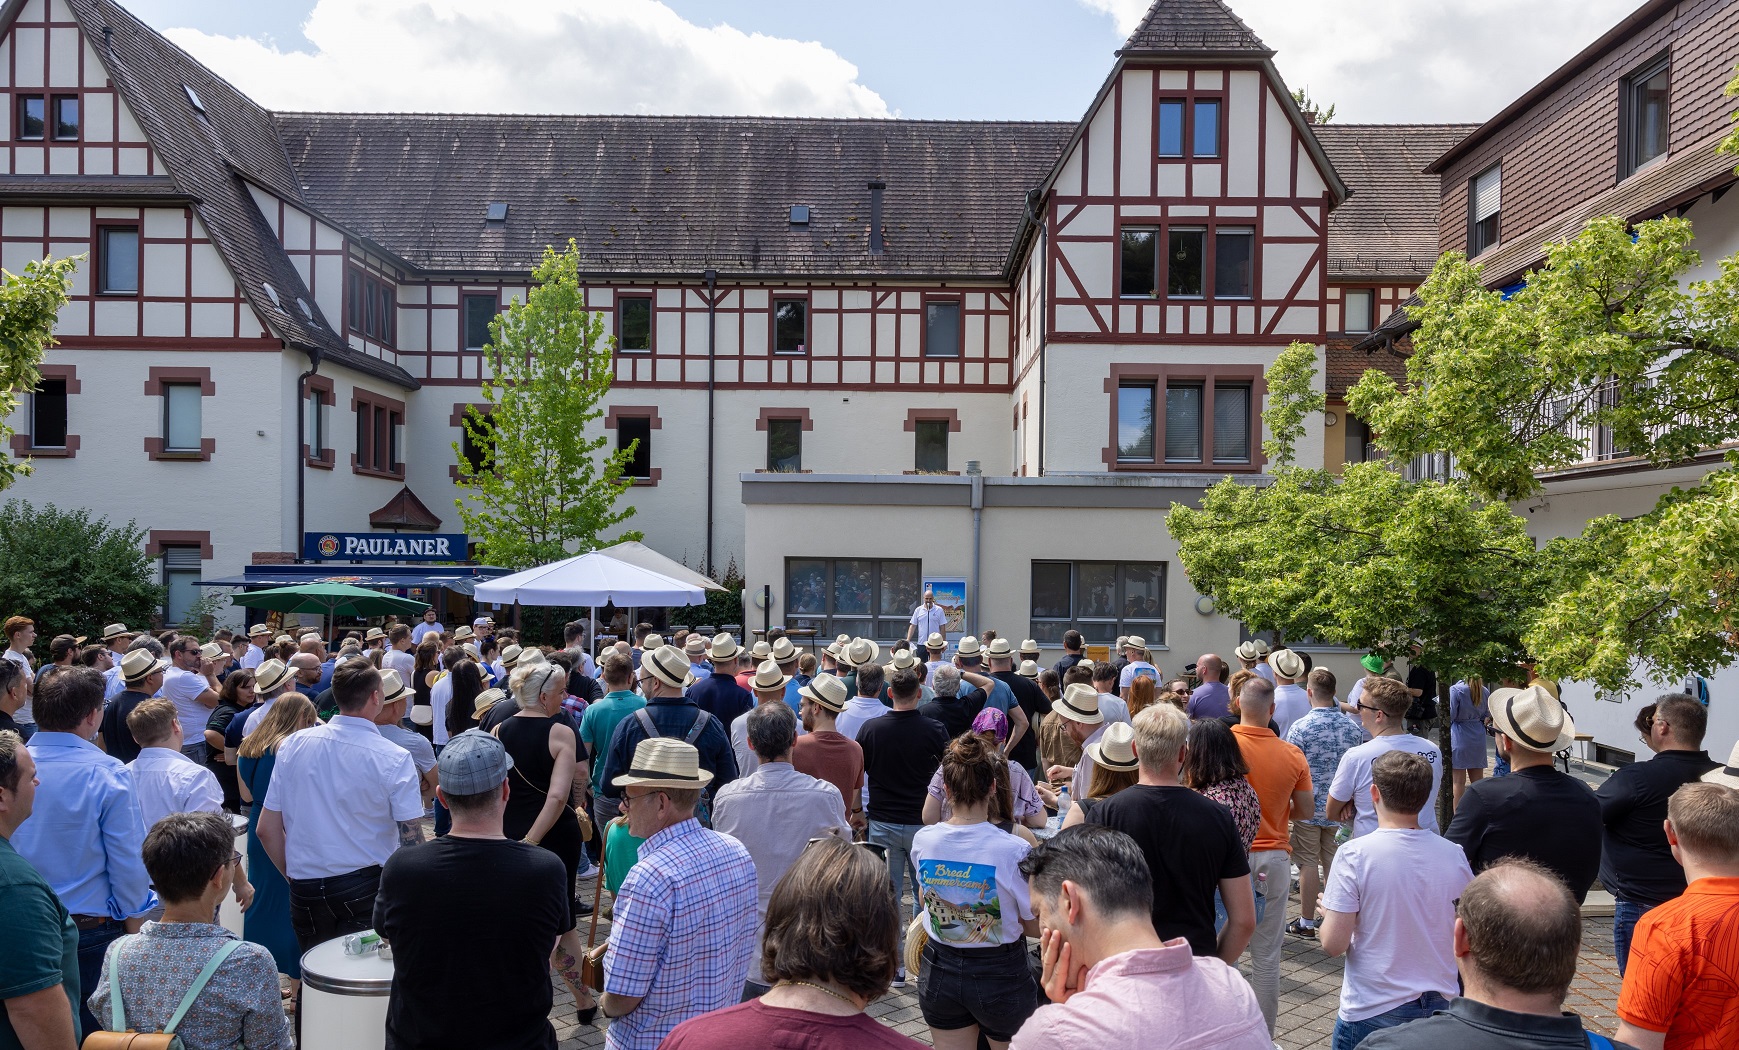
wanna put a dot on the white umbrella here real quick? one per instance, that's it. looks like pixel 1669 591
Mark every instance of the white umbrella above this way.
pixel 636 553
pixel 590 579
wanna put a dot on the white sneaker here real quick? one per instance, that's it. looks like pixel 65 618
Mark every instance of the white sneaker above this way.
pixel 900 977
pixel 588 870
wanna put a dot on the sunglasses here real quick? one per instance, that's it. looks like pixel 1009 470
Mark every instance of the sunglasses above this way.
pixel 1368 707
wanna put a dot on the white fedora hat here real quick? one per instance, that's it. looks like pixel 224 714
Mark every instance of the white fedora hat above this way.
pixel 268 676
pixel 1079 703
pixel 1287 664
pixel 666 762
pixel 1727 775
pixel 1116 749
pixel 970 646
pixel 1028 669
pixel 1532 718
pixel 668 664
pixel 783 651
pixel 860 652
pixel 825 690
pixel 768 677
pixel 935 643
pixel 724 647
pixel 392 687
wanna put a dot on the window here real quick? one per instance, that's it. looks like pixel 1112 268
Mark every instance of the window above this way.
pixel 48 414
pixel 1234 248
pixel 118 267
pixel 1183 268
pixel 634 324
pixel 479 310
pixel 1171 127
pixel 32 118
pixel 790 326
pixel 635 431
pixel 318 406
pixel 1484 209
pixel 1140 276
pixel 1231 423
pixel 1101 599
pixel 379 436
pixel 1135 423
pixel 66 117
pixel 785 445
pixel 477 453
pixel 1355 313
pixel 1644 114
pixel 1359 447
pixel 942 328
pixel 1207 129
pixel 181 572
pixel 1183 423
pixel 371 307
pixel 182 426
pixel 861 597
pixel 931 442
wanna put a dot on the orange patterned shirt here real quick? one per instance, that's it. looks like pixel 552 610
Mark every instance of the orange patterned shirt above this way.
pixel 1683 977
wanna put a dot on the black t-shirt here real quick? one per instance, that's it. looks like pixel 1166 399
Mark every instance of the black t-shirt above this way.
pixel 1066 664
pixel 7 724
pixel 1424 706
pixel 1470 1025
pixel 1036 704
pixel 117 738
pixel 1190 844
pixel 948 710
pixel 973 700
pixel 1539 813
pixel 458 945
pixel 1637 865
pixel 901 751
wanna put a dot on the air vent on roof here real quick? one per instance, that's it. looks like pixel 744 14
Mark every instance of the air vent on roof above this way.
pixel 302 304
pixel 497 212
pixel 799 214
pixel 193 100
pixel 272 294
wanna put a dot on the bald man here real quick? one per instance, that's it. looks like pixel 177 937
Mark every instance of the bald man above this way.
pixel 1211 699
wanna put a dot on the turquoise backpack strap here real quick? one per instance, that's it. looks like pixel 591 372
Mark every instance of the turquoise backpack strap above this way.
pixel 199 983
pixel 117 1014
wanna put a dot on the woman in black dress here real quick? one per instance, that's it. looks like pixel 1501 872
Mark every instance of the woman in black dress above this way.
pixel 544 752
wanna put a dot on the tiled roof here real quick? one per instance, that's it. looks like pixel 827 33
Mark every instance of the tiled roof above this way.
pixel 21 189
pixel 675 194
pixel 1347 364
pixel 1193 26
pixel 153 76
pixel 1388 228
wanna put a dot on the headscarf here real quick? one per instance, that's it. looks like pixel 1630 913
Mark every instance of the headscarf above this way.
pixel 991 720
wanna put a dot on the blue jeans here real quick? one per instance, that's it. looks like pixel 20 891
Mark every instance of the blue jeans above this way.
pixel 1349 1034
pixel 93 944
pixel 898 840
pixel 1624 916
pixel 1220 917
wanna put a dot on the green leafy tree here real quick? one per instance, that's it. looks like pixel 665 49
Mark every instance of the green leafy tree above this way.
pixel 29 305
pixel 1311 109
pixel 1606 348
pixel 1292 399
pixel 73 573
pixel 540 485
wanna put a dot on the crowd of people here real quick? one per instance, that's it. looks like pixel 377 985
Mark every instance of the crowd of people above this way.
pixel 1084 854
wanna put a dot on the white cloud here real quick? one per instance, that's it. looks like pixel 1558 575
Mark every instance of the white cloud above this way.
pixel 1379 60
pixel 534 56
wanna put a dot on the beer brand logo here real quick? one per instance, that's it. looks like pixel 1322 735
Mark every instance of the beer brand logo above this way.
pixel 328 546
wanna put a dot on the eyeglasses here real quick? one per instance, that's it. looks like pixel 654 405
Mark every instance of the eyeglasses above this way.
pixel 1367 707
pixel 628 799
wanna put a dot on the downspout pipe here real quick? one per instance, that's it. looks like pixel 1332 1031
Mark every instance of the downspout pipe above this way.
pixel 976 474
pixel 1044 342
pixel 712 302
pixel 301 441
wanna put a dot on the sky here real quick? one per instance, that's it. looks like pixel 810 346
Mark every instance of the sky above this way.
pixel 1375 60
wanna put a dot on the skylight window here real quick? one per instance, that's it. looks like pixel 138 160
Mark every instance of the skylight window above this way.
pixel 799 214
pixel 193 100
pixel 497 212
pixel 302 304
pixel 272 294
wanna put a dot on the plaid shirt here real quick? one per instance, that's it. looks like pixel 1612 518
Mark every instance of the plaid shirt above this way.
pixel 1324 735
pixel 683 934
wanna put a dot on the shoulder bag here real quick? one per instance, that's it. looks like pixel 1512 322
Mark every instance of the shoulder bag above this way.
pixel 121 1038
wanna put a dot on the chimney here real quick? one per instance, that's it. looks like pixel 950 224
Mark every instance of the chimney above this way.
pixel 875 232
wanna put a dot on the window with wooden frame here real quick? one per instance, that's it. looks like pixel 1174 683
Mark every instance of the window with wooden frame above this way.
pixel 183 424
pixel 64 110
pixel 1189 128
pixel 1355 309
pixel 942 327
pixel 118 259
pixel 1484 209
pixel 317 423
pixel 790 326
pixel 635 432
pixel 634 324
pixel 863 597
pixel 1644 115
pixel 380 425
pixel 30 122
pixel 371 306
pixel 477 310
pixel 1184 266
pixel 1100 599
pixel 1170 418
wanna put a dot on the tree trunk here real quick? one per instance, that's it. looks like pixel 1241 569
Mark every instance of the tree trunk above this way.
pixel 1446 789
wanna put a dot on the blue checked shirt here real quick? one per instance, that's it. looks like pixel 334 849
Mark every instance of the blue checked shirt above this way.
pixel 85 833
pixel 1324 735
pixel 683 933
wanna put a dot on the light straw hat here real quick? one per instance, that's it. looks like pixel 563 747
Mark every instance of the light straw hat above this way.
pixel 935 643
pixel 666 762
pixel 768 677
pixel 1115 749
pixel 668 664
pixel 1532 718
pixel 1028 669
pixel 1287 664
pixel 861 652
pixel 825 690
pixel 1079 703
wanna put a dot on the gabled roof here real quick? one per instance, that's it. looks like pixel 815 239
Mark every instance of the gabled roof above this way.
pixel 405 511
pixel 658 195
pixel 152 76
pixel 1192 27
pixel 1388 228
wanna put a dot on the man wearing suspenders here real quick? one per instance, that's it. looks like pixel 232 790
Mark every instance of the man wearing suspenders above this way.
pixel 663 675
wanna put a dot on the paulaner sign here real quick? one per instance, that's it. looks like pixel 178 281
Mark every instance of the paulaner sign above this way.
pixel 384 546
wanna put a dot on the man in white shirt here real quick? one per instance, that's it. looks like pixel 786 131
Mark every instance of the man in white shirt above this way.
pixel 342 798
pixel 191 685
pixel 1135 649
pixel 1382 711
pixel 927 618
pixel 936 645
pixel 429 624
pixel 258 635
pixel 120 641
pixel 1079 709
pixel 398 656
pixel 272 679
pixel 1390 906
pixel 1111 706
pixel 1291 701
pixel 395 695
pixel 867 704
pixel 768 685
pixel 166 781
pixel 1253 656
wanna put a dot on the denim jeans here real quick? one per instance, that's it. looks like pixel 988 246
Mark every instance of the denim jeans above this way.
pixel 1270 935
pixel 1220 916
pixel 1624 916
pixel 93 944
pixel 1349 1034
pixel 897 838
pixel 321 909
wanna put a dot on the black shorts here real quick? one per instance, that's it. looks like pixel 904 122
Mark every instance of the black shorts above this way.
pixel 992 988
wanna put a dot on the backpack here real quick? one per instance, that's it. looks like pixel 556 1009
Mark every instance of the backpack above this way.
pixel 702 811
pixel 119 1037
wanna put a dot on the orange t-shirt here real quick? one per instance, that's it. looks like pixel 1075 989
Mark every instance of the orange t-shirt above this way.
pixel 1277 769
pixel 1683 977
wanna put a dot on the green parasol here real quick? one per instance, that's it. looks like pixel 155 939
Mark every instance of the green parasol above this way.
pixel 328 599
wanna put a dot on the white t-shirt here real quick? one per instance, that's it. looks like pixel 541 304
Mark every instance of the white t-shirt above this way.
pixel 24 715
pixel 404 662
pixel 1263 670
pixel 1352 779
pixel 1403 886
pixel 440 694
pixel 182 688
pixel 253 657
pixel 1113 709
pixel 1291 703
pixel 1134 668
pixel 933 620
pixel 973 893
pixel 422 629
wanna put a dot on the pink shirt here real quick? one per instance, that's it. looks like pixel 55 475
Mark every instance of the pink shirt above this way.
pixel 1152 999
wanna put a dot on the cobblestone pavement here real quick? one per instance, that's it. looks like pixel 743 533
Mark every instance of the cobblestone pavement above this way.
pixel 1309 993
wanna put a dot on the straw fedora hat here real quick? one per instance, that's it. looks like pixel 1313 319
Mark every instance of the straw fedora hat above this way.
pixel 1727 775
pixel 970 646
pixel 783 651
pixel 669 665
pixel 652 641
pixel 392 687
pixel 825 690
pixel 487 699
pixel 1115 749
pixel 915 940
pixel 282 638
pixel 1079 703
pixel 904 660
pixel 724 647
pixel 1287 664
pixel 463 633
pixel 1135 641
pixel 1029 649
pixel 935 643
pixel 530 655
pixel 695 646
pixel 268 676
pixel 211 651
pixel 1028 669
pixel 375 634
pixel 760 651
pixel 768 677
pixel 666 762
pixel 139 665
pixel 119 630
pixel 1000 649
pixel 510 656
pixel 861 652
pixel 258 630
pixel 1532 718
pixel 1247 651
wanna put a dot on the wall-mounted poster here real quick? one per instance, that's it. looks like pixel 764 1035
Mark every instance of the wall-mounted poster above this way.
pixel 950 592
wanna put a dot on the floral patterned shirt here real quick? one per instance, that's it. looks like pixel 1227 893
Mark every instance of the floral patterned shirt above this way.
pixel 239 1006
pixel 1324 735
pixel 1239 797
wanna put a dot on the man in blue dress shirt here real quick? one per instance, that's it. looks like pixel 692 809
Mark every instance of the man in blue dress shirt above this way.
pixel 85 834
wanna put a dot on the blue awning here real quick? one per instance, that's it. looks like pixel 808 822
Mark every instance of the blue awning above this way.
pixel 460 579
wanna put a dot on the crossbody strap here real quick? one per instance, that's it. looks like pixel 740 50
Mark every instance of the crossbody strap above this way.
pixel 117 1013
pixel 200 982
pixel 698 728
